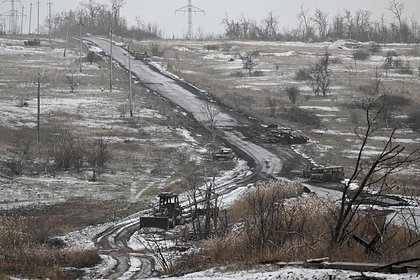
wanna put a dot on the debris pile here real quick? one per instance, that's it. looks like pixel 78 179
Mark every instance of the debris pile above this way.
pixel 273 134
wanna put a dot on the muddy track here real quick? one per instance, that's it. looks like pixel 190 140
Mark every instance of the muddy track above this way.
pixel 231 128
pixel 114 241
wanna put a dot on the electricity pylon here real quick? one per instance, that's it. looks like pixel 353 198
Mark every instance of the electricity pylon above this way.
pixel 13 16
pixel 190 9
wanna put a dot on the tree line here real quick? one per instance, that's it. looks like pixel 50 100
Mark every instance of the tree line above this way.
pixel 320 26
pixel 97 18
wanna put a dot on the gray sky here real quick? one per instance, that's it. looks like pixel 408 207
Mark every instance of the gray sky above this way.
pixel 162 12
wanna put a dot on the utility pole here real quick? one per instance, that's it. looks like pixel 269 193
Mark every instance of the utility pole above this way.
pixel 190 9
pixel 21 24
pixel 49 21
pixel 39 109
pixel 130 94
pixel 110 46
pixel 30 18
pixel 80 46
pixel 38 18
pixel 67 37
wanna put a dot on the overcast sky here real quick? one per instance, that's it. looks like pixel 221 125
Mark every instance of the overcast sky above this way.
pixel 162 12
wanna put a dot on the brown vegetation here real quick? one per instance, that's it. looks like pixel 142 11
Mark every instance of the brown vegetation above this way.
pixel 275 222
pixel 27 250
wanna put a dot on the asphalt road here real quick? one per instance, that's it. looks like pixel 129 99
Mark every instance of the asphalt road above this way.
pixel 229 127
pixel 265 162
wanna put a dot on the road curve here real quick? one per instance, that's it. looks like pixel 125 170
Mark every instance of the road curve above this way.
pixel 266 162
pixel 113 242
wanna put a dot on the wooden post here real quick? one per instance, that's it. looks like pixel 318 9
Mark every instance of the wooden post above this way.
pixel 39 110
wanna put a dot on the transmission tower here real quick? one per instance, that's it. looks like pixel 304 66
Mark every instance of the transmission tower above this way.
pixel 190 9
pixel 13 16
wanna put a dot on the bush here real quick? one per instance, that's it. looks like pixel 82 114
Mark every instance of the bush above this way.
pixel 67 151
pixel 93 57
pixel 211 47
pixel 292 93
pixel 27 249
pixel 395 100
pixel 258 73
pixel 156 49
pixel 361 54
pixel 374 47
pixel 405 69
pixel 414 120
pixel 238 74
pixel 303 74
pixel 391 53
pixel 303 117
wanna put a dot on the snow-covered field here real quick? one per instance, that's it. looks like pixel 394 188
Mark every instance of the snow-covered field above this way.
pixel 156 135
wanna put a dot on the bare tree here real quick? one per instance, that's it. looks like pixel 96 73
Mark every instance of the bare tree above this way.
pixel 321 76
pixel 270 26
pixel 371 175
pixel 97 155
pixel 71 81
pixel 338 27
pixel 204 205
pixel 397 9
pixel 249 61
pixel 210 112
pixel 320 19
pixel 305 24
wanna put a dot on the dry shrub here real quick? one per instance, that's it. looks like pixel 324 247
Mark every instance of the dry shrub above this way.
pixel 212 47
pixel 414 120
pixel 361 54
pixel 303 117
pixel 238 74
pixel 258 73
pixel 27 251
pixel 303 74
pixel 275 222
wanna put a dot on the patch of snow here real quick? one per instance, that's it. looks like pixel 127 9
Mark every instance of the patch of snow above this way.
pixel 218 56
pixel 321 108
pixel 289 273
pixel 331 132
pixel 282 54
pixel 186 134
pixel 182 49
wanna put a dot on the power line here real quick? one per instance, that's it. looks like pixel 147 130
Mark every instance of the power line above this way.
pixel 190 9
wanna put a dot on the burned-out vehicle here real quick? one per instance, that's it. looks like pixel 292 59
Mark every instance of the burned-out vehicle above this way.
pixel 324 174
pixel 33 42
pixel 223 154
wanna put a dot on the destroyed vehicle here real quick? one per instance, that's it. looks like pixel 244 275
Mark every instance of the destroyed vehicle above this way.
pixel 167 214
pixel 273 134
pixel 324 174
pixel 34 42
pixel 223 154
pixel 141 56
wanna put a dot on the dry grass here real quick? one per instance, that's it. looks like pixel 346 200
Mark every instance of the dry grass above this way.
pixel 27 250
pixel 274 223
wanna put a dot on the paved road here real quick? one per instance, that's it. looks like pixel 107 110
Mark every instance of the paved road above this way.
pixel 113 241
pixel 266 162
